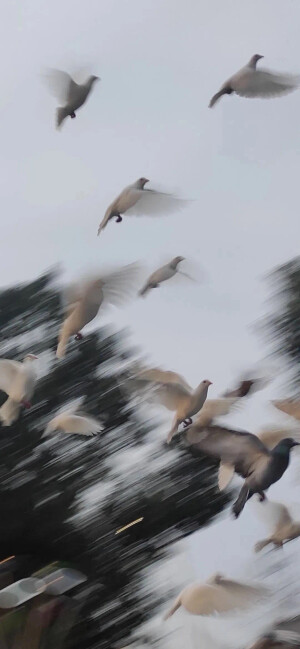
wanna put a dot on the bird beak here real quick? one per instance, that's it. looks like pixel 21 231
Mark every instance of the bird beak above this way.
pixel 210 383
pixel 261 56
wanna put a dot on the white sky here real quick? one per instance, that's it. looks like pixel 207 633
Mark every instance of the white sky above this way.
pixel 160 61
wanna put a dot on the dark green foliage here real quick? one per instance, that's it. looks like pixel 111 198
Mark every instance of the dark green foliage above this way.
pixel 43 480
pixel 284 323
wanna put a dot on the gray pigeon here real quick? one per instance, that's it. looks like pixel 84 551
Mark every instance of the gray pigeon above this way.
pixel 70 93
pixel 250 82
pixel 259 466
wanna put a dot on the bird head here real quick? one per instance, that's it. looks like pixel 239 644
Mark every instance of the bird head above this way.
pixel 141 182
pixel 254 59
pixel 206 382
pixel 285 445
pixel 93 78
pixel 177 260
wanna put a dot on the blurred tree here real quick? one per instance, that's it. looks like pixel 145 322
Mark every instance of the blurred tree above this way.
pixel 284 323
pixel 65 497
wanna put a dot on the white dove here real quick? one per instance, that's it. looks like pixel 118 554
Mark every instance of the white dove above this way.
pixel 216 595
pixel 70 93
pixel 250 82
pixel 278 517
pixel 137 201
pixel 18 381
pixel 172 391
pixel 70 420
pixel 161 275
pixel 85 299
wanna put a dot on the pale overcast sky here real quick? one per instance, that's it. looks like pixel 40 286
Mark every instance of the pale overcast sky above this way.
pixel 160 61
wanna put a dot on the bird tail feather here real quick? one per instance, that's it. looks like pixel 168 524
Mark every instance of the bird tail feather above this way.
pixel 174 608
pixel 215 98
pixel 261 544
pixel 9 412
pixel 144 290
pixel 61 114
pixel 61 347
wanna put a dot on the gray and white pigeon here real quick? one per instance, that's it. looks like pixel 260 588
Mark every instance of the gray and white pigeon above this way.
pixel 251 82
pixel 71 94
pixel 251 459
pixel 18 381
pixel 135 200
pixel 161 275
pixel 216 595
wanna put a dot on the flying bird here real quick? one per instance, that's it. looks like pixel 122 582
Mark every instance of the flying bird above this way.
pixel 71 94
pixel 259 466
pixel 251 82
pixel 269 436
pixel 18 380
pixel 83 300
pixel 283 527
pixel 135 200
pixel 161 275
pixel 216 595
pixel 174 393
pixel 71 420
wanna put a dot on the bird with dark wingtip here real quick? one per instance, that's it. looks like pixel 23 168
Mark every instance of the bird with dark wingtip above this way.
pixel 251 459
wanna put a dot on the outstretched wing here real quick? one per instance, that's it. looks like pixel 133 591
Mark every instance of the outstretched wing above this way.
pixel 152 203
pixel 267 84
pixel 289 407
pixel 240 449
pixel 61 85
pixel 213 408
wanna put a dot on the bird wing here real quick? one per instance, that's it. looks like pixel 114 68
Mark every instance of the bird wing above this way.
pixel 215 408
pixel 156 375
pixel 241 449
pixel 265 84
pixel 61 85
pixel 81 424
pixel 288 406
pixel 171 395
pixel 8 373
pixel 271 436
pixel 121 284
pixel 152 203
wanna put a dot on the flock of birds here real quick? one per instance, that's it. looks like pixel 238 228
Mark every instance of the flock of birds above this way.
pixel 261 459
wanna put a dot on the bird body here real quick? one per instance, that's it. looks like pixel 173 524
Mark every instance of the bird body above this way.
pixel 72 94
pixel 85 300
pixel 217 595
pixel 250 458
pixel 284 527
pixel 250 82
pixel 137 201
pixel 171 390
pixel 18 381
pixel 161 275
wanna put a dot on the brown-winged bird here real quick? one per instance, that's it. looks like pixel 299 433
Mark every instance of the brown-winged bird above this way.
pixel 259 466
